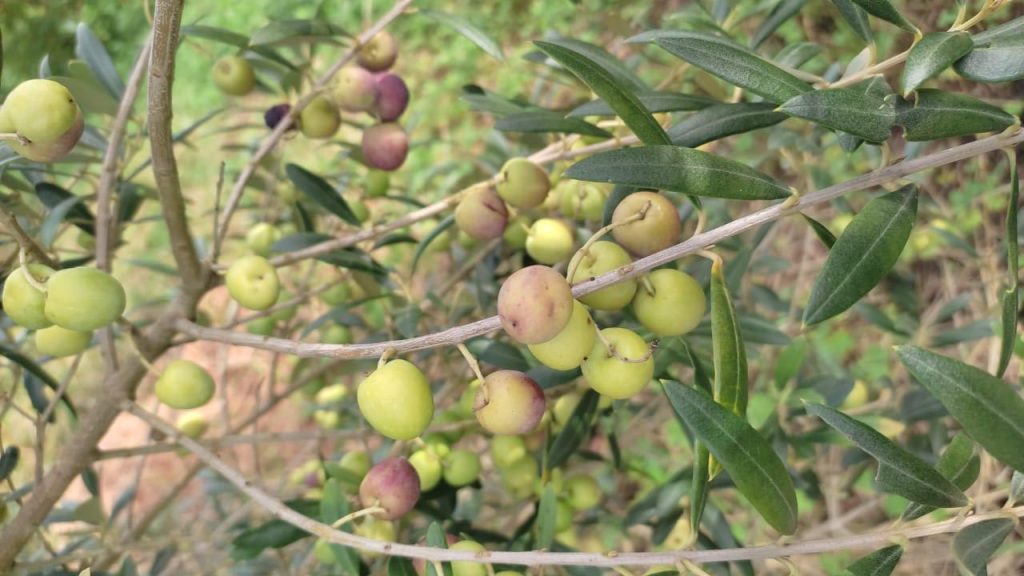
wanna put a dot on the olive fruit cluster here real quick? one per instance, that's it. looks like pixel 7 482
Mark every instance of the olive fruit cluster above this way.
pixel 63 306
pixel 42 120
pixel 368 87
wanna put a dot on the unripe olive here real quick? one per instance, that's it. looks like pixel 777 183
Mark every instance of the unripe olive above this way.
pixel 261 326
pixel 569 347
pixel 323 552
pixel 275 114
pixel 428 468
pixel 327 419
pixel 331 396
pixel 516 231
pixel 601 257
pixel 519 477
pixel 563 516
pixel 252 282
pixel 379 53
pixel 582 492
pixel 465 567
pixel 393 485
pixel 674 307
pixel 583 201
pixel 564 407
pixel 41 111
pixel 337 334
pixel 392 97
pixel 510 402
pixel 481 214
pixel 336 295
pixel 234 76
pixel 357 462
pixel 354 89
pixel 623 370
pixel 22 301
pixel 377 183
pixel 507 450
pixel 319 119
pixel 534 304
pixel 192 424
pixel 522 183
pixel 359 209
pixel 184 385
pixel 461 467
pixel 83 299
pixel 385 146
pixel 59 342
pixel 396 400
pixel 261 237
pixel 375 529
pixel 550 241
pixel 658 229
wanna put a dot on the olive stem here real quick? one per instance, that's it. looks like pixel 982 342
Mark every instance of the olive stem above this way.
pixel 387 355
pixel 356 515
pixel 574 264
pixel 14 137
pixel 475 367
pixel 23 260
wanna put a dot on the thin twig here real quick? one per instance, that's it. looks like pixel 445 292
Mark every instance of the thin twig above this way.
pixel 692 245
pixel 10 224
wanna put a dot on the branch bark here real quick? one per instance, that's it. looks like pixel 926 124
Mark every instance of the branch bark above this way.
pixel 166 25
pixel 458 334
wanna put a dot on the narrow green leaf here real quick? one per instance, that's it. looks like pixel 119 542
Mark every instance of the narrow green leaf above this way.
pixel 729 353
pixel 1009 30
pixel 1001 61
pixel 90 49
pixel 39 373
pixel 128 567
pixel 753 466
pixel 959 463
pixel 886 11
pixel 608 62
pixel 1016 495
pixel 8 461
pixel 974 545
pixel 987 408
pixel 821 231
pixel 798 54
pixel 654 102
pixel 51 224
pixel 856 17
pixel 546 121
pixel 90 94
pixel 436 539
pixel 281 32
pixel 1011 297
pixel 398 566
pixel 852 110
pixel 735 65
pixel 721 120
pixel 680 170
pixel 576 430
pixel 497 353
pixel 931 55
pixel 899 471
pixel 879 563
pixel 864 253
pixel 783 10
pixel 216 34
pixel 699 484
pixel 547 511
pixel 442 226
pixel 610 88
pixel 318 190
pixel 53 196
pixel 938 114
pixel 483 101
pixel 464 27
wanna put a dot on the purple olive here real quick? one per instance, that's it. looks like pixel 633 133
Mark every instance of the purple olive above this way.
pixel 393 485
pixel 273 116
pixel 392 96
pixel 385 146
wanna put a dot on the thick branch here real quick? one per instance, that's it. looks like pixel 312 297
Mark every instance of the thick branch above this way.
pixel 279 131
pixel 695 243
pixel 540 557
pixel 166 24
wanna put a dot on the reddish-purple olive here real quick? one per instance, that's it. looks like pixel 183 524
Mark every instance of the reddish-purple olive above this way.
pixel 392 97
pixel 385 146
pixel 393 485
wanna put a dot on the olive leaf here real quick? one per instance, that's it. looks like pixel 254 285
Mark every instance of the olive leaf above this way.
pixel 899 471
pixel 53 196
pixel 879 563
pixel 862 113
pixel 931 55
pixel 987 408
pixel 575 431
pixel 886 11
pixel 723 120
pixel 856 17
pixel 8 461
pixel 959 463
pixel 90 49
pixel 333 506
pixel 974 545
pixel 798 54
pixel 737 66
pixel 399 566
pixel 546 121
pixel 728 352
pixel 609 87
pixel 864 253
pixel 938 114
pixel 654 102
pixel 680 170
pixel 783 10
pixel 999 61
pixel 467 29
pixel 318 190
pixel 436 539
pixel 1011 296
pixel 547 512
pixel 821 231
pixel 753 466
